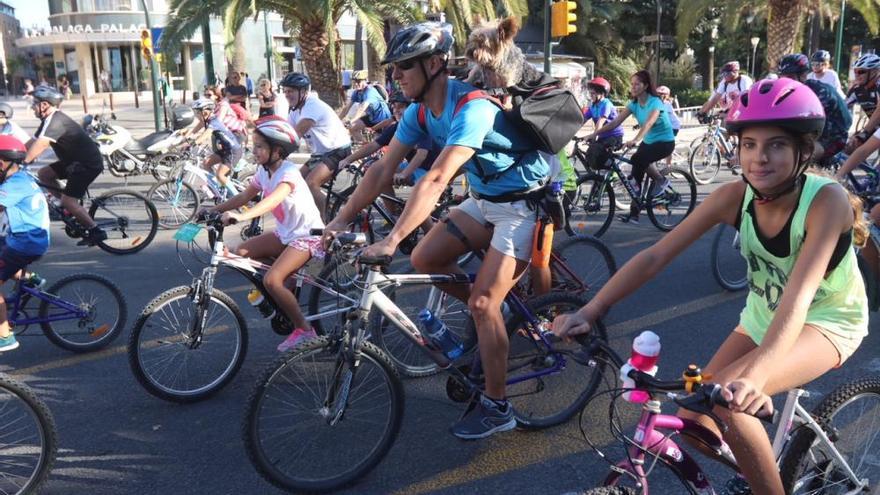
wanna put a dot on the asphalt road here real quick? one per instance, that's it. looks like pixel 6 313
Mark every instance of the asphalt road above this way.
pixel 115 438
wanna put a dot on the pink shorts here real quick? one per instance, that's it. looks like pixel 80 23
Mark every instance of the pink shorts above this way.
pixel 311 244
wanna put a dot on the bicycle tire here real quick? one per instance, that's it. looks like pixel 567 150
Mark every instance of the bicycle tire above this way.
pixel 610 490
pixel 545 411
pixel 176 202
pixel 410 359
pixel 593 264
pixel 310 419
pixel 803 466
pixel 680 195
pixel 163 167
pixel 704 162
pixel 13 453
pixel 129 219
pixel 596 199
pixel 140 341
pixel 104 333
pixel 320 301
pixel 724 261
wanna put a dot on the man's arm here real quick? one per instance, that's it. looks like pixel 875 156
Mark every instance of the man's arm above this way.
pixel 303 126
pixel 361 110
pixel 371 185
pixel 709 105
pixel 37 147
pixel 425 194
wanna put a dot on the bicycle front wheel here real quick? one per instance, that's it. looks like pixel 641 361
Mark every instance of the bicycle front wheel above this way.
pixel 29 444
pixel 676 202
pixel 129 219
pixel 850 415
pixel 704 162
pixel 581 265
pixel 549 380
pixel 319 419
pixel 176 202
pixel 595 196
pixel 184 351
pixel 98 298
pixel 729 268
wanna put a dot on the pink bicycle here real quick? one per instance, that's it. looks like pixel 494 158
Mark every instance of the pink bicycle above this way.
pixel 835 449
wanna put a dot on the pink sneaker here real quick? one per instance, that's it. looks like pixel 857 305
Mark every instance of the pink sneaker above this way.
pixel 295 338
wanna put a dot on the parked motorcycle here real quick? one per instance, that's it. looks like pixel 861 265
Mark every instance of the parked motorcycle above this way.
pixel 126 156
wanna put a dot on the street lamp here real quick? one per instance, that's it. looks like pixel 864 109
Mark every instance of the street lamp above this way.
pixel 713 35
pixel 755 40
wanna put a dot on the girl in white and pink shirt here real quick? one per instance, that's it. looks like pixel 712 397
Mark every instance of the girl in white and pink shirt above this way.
pixel 285 194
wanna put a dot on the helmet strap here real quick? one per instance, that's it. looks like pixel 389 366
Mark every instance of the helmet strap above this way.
pixel 428 79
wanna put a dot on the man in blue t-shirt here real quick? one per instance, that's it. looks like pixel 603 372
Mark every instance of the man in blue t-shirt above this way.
pixel 26 235
pixel 367 107
pixel 503 171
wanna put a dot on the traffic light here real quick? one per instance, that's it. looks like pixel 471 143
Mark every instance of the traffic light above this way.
pixel 146 44
pixel 562 18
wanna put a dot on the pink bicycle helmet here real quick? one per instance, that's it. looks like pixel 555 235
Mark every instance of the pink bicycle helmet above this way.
pixel 279 133
pixel 663 91
pixel 781 102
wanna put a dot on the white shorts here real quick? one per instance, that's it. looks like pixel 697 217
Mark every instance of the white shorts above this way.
pixel 514 225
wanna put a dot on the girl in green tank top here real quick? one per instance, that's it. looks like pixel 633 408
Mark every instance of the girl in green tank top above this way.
pixel 806 309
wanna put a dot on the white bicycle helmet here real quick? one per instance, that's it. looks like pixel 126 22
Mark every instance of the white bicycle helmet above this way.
pixel 203 104
pixel 279 133
pixel 868 61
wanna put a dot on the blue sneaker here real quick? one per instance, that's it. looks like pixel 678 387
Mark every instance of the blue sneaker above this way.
pixel 483 418
pixel 8 343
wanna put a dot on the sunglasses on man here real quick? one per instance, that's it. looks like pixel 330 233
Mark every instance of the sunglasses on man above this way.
pixel 406 64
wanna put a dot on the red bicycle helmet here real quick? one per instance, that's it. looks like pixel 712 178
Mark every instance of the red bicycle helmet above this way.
pixel 12 149
pixel 600 82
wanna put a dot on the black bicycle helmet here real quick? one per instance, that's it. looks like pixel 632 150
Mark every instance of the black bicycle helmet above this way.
pixel 419 40
pixel 821 56
pixel 6 109
pixel 296 80
pixel 794 64
pixel 48 94
pixel 398 97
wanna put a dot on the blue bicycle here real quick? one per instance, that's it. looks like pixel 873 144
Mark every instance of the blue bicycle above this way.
pixel 82 312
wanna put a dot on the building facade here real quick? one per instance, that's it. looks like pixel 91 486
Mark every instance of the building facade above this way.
pixel 96 44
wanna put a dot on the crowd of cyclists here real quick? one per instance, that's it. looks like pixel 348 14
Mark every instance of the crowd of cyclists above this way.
pixel 806 311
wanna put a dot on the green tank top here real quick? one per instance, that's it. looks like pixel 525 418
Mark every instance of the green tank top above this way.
pixel 840 305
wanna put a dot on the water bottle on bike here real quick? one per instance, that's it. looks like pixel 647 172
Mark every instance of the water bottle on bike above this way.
pixel 440 335
pixel 645 353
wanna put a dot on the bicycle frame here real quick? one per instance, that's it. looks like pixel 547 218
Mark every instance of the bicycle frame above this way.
pixel 70 311
pixel 651 442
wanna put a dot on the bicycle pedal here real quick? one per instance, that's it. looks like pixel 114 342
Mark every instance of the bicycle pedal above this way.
pixel 100 331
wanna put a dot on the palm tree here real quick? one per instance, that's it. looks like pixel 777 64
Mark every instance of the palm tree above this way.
pixel 313 23
pixel 784 18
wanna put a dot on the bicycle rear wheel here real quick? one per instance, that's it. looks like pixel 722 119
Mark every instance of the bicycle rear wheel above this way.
pixel 316 421
pixel 676 202
pixel 129 219
pixel 596 199
pixel 29 444
pixel 567 379
pixel 729 268
pixel 581 265
pixel 704 162
pixel 100 299
pixel 850 415
pixel 175 364
pixel 176 202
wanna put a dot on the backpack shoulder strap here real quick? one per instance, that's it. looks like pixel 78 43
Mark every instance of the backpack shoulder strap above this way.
pixel 423 123
pixel 477 94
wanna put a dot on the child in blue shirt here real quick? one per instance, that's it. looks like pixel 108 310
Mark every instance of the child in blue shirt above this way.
pixel 27 233
pixel 601 111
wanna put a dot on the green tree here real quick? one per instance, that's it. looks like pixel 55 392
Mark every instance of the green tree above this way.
pixel 464 14
pixel 312 22
pixel 784 18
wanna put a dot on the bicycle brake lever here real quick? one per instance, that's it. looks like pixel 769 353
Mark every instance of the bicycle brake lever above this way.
pixel 698 403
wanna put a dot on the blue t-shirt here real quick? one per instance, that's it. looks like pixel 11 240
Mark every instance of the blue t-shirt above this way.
pixel 603 108
pixel 480 125
pixel 661 131
pixel 27 214
pixel 378 110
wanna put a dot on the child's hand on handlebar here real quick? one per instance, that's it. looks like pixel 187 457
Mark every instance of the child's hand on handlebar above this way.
pixel 230 218
pixel 745 396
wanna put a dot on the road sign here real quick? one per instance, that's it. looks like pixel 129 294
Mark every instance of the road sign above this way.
pixel 156 33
